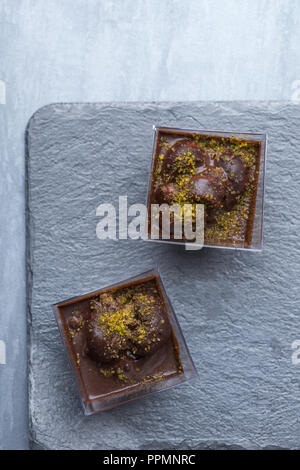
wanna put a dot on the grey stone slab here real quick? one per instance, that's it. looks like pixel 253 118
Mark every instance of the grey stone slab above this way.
pixel 239 311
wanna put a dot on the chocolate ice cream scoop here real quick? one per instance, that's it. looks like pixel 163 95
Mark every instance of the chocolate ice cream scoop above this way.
pixel 166 193
pixel 236 170
pixel 183 155
pixel 209 185
pixel 131 326
pixel 105 331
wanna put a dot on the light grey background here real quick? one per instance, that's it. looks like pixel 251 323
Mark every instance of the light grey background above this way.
pixel 101 50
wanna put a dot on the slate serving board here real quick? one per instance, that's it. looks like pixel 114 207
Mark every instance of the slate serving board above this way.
pixel 239 311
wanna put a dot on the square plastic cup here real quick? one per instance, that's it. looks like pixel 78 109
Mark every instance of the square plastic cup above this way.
pixel 125 393
pixel 254 239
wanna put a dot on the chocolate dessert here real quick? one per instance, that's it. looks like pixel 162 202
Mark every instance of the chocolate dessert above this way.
pixel 219 172
pixel 120 339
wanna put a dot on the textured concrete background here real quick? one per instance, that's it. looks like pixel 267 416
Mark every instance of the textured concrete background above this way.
pixel 239 311
pixel 102 50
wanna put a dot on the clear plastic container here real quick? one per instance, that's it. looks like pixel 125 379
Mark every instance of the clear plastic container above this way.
pixel 253 240
pixel 124 392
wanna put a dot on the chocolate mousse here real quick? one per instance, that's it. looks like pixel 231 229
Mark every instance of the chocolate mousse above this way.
pixel 220 172
pixel 120 339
